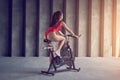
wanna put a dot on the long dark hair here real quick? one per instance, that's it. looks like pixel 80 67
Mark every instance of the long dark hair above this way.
pixel 55 18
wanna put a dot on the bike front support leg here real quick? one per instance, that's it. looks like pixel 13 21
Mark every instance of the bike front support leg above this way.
pixel 74 68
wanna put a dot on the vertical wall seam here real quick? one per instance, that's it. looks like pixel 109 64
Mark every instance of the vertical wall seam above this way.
pixel 37 28
pixel 10 29
pixel 76 26
pixel 51 9
pixel 114 27
pixel 24 30
pixel 64 10
pixel 101 28
pixel 89 28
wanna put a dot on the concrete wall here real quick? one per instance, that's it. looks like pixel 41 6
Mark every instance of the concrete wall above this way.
pixel 95 21
pixel 31 28
pixel 44 20
pixel 118 30
pixel 82 27
pixel 57 5
pixel 18 28
pixel 23 22
pixel 108 28
pixel 71 19
pixel 5 28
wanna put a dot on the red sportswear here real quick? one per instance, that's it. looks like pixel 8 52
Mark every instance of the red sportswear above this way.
pixel 54 28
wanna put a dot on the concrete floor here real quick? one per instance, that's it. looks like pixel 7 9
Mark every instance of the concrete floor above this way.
pixel 19 68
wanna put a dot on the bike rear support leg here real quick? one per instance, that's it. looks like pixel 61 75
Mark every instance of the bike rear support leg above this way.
pixel 50 66
pixel 48 71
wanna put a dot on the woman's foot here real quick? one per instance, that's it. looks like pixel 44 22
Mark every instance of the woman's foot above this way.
pixel 57 52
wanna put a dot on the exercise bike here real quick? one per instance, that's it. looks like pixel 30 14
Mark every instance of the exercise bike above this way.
pixel 67 57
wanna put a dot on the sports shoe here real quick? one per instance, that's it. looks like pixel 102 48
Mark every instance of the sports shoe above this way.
pixel 57 52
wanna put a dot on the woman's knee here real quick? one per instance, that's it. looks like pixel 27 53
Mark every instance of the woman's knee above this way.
pixel 63 38
pixel 60 38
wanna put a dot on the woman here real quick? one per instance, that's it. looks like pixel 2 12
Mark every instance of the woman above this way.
pixel 52 32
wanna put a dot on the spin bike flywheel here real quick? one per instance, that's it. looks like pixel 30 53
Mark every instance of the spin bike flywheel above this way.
pixel 57 60
pixel 67 55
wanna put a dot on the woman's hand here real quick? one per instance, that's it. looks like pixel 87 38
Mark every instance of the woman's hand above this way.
pixel 76 36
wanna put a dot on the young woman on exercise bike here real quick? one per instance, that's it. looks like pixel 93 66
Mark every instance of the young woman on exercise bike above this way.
pixel 55 27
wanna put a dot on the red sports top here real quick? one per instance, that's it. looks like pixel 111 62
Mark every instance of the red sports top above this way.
pixel 54 28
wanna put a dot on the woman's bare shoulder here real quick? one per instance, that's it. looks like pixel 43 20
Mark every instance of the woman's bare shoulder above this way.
pixel 62 22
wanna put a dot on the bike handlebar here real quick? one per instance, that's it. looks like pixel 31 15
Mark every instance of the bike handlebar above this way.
pixel 69 35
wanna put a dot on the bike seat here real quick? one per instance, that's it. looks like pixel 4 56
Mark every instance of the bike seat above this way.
pixel 47 41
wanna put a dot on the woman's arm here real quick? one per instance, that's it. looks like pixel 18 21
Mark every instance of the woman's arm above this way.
pixel 61 33
pixel 67 28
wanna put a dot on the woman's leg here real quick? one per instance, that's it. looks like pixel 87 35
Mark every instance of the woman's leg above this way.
pixel 53 36
pixel 61 40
